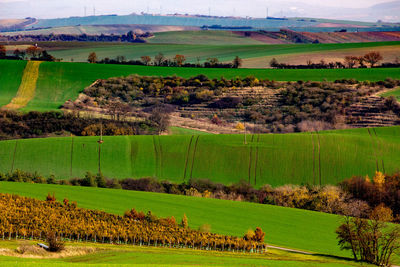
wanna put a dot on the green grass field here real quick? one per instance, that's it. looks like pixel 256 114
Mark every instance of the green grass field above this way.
pixel 183 131
pixel 395 93
pixel 292 228
pixel 275 159
pixel 59 82
pixel 10 79
pixel 111 255
pixel 224 52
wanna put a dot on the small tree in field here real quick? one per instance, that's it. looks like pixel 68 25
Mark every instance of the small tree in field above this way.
pixel 33 51
pixel 237 62
pixel 2 51
pixel 350 61
pixel 372 240
pixel 92 58
pixel 373 58
pixel 179 60
pixel 145 60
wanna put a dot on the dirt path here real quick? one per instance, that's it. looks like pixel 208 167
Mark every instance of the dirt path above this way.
pixel 291 250
pixel 27 88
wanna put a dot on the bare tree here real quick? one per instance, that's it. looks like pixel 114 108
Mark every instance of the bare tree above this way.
pixel 92 58
pixel 237 62
pixel 146 60
pixel 373 58
pixel 350 61
pixel 159 59
pixel 2 51
pixel 179 60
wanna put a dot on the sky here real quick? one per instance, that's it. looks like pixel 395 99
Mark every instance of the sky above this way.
pixel 252 8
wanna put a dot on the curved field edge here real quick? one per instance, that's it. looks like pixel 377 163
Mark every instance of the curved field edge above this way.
pixel 10 78
pixel 292 228
pixel 26 90
pixel 276 159
pixel 60 81
pixel 111 255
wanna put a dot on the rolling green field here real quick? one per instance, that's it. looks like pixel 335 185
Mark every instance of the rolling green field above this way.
pixel 111 255
pixel 10 79
pixel 59 82
pixel 183 131
pixel 293 228
pixel 395 93
pixel 224 52
pixel 275 159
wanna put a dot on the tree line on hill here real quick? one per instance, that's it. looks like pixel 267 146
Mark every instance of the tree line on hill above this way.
pixel 130 37
pixel 161 61
pixel 31 53
pixel 66 221
pixel 370 59
pixel 15 125
pixel 357 196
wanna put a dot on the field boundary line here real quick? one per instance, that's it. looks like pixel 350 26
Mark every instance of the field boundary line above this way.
pixel 194 155
pixel 27 87
pixel 374 148
pixel 187 157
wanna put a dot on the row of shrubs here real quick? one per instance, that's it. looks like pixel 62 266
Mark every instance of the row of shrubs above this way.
pixel 355 197
pixel 15 125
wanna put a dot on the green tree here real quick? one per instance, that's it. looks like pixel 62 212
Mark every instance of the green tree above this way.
pixel 101 180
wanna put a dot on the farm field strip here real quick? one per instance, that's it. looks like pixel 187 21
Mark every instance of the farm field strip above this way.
pixel 275 159
pixel 10 79
pixel 223 52
pixel 111 255
pixel 59 82
pixel 26 90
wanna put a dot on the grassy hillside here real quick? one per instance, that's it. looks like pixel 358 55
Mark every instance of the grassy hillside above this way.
pixel 59 82
pixel 276 159
pixel 294 228
pixel 202 50
pixel 143 256
pixel 395 93
pixel 10 79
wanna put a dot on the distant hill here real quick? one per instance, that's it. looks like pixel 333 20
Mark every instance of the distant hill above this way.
pixel 226 23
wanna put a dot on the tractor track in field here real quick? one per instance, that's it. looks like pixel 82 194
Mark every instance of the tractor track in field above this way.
pixel 251 157
pixel 319 159
pixel 313 152
pixel 194 155
pixel 374 148
pixel 72 155
pixel 15 152
pixel 380 149
pixel 155 155
pixel 256 160
pixel 187 157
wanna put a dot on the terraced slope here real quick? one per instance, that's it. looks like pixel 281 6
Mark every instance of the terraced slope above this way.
pixel 276 159
pixel 26 90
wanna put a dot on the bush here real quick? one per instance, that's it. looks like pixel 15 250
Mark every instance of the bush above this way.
pixel 55 245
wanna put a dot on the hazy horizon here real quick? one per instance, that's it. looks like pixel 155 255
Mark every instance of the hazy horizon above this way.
pixel 253 8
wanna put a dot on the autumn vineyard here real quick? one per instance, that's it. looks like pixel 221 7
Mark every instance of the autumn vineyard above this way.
pixel 27 218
